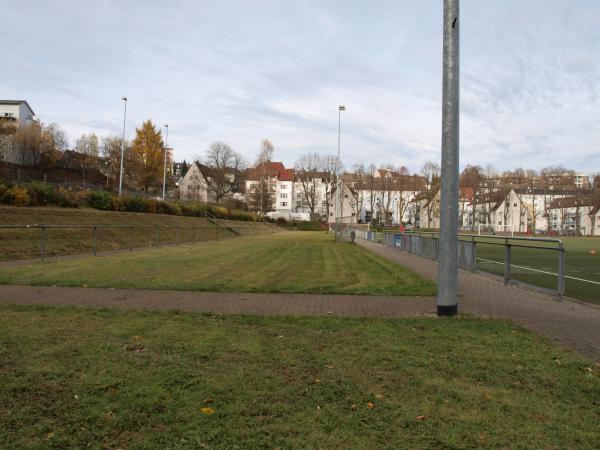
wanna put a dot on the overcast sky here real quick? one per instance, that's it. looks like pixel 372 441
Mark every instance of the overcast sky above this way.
pixel 241 71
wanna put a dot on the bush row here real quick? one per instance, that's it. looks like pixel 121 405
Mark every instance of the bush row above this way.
pixel 42 194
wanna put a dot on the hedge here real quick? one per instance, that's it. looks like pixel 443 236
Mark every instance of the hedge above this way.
pixel 42 194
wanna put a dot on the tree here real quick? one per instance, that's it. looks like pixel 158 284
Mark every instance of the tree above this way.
pixel 225 164
pixel 88 148
pixel 356 183
pixel 308 173
pixel 36 144
pixel 111 151
pixel 148 151
pixel 430 171
pixel 184 168
pixel 328 168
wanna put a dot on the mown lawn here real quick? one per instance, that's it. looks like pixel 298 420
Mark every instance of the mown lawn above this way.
pixel 76 378
pixel 300 262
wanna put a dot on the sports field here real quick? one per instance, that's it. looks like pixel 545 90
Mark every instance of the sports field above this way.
pixel 300 262
pixel 77 378
pixel 582 263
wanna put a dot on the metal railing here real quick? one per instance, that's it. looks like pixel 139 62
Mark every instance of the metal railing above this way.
pixel 126 237
pixel 426 244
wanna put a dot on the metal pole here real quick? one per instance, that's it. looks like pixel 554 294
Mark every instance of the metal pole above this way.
pixel 338 206
pixel 157 237
pixel 95 233
pixel 561 269
pixel 122 148
pixel 447 299
pixel 131 239
pixel 474 255
pixel 507 261
pixel 165 164
pixel 43 243
pixel 177 238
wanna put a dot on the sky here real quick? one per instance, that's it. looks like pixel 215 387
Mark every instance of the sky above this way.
pixel 242 71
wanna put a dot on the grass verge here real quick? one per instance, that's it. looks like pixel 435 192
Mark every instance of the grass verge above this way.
pixel 301 262
pixel 144 380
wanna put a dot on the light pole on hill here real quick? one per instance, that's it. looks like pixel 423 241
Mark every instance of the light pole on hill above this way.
pixel 122 147
pixel 165 163
pixel 338 207
pixel 447 298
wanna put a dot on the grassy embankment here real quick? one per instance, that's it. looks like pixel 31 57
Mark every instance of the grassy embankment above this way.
pixel 23 244
pixel 300 262
pixel 166 380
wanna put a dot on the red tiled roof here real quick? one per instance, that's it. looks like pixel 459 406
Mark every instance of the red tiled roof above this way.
pixel 271 169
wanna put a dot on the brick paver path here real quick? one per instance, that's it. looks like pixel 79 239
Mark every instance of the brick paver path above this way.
pixel 570 323
pixel 573 324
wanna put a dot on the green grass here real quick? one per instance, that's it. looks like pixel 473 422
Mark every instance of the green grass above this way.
pixel 24 244
pixel 579 263
pixel 138 380
pixel 301 262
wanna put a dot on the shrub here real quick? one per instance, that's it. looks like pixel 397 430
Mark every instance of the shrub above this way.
pixel 16 196
pixel 135 204
pixel 41 193
pixel 100 200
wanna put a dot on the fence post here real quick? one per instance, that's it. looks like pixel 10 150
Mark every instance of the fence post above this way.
pixel 561 269
pixel 507 255
pixel 217 233
pixel 94 243
pixel 43 243
pixel 194 231
pixel 177 237
pixel 157 236
pixel 131 239
pixel 474 255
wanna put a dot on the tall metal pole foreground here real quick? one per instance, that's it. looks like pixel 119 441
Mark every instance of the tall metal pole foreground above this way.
pixel 447 299
pixel 165 164
pixel 338 206
pixel 122 147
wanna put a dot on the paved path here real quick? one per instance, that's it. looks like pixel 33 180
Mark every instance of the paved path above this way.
pixel 221 302
pixel 572 324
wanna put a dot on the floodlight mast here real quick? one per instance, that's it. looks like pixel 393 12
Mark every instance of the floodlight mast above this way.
pixel 447 298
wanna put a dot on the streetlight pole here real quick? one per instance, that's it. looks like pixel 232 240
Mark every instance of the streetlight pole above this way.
pixel 165 163
pixel 447 299
pixel 122 147
pixel 338 206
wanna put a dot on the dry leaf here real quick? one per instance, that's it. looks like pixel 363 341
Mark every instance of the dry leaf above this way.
pixel 317 381
pixel 206 401
pixel 328 366
pixel 420 417
pixel 379 397
pixel 207 411
pixel 353 407
pixel 370 405
pixel 318 407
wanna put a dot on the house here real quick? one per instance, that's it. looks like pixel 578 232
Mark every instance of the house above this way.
pixel 15 111
pixel 578 215
pixel 277 192
pixel 208 185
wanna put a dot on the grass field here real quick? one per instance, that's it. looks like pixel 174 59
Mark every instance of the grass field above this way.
pixel 300 262
pixel 579 264
pixel 149 380
pixel 23 244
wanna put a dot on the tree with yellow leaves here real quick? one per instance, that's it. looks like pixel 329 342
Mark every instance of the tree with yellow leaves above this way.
pixel 148 152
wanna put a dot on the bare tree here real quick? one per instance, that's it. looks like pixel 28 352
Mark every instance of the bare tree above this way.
pixel 430 171
pixel 225 163
pixel 88 147
pixel 308 173
pixel 328 167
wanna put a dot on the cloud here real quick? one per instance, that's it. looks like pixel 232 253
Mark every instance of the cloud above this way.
pixel 242 71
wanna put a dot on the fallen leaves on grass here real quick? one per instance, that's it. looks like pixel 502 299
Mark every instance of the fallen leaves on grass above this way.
pixel 370 405
pixel 207 411
pixel 206 401
pixel 420 417
pixel 379 396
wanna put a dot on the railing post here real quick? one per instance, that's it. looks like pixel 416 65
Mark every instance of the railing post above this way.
pixel 217 233
pixel 157 236
pixel 561 269
pixel 177 237
pixel 474 255
pixel 507 257
pixel 43 243
pixel 94 239
pixel 194 231
pixel 131 239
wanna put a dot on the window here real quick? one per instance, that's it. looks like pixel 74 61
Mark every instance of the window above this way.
pixel 514 205
pixel 283 187
pixel 283 204
pixel 346 196
pixel 282 195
